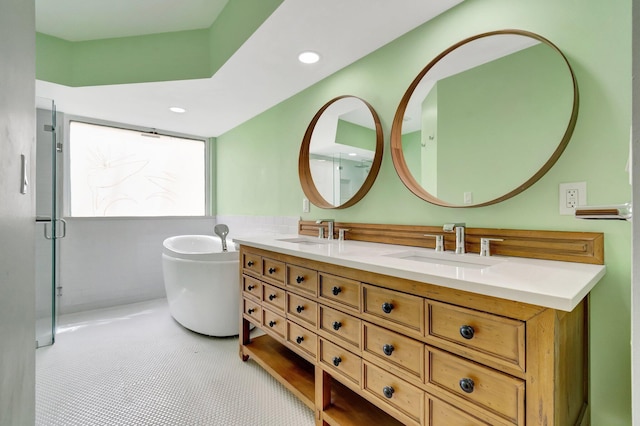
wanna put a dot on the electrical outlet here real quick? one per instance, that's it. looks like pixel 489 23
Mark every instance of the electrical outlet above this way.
pixel 468 197
pixel 571 196
pixel 305 205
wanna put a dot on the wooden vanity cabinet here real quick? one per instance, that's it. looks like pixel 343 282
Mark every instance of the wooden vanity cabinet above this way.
pixel 360 348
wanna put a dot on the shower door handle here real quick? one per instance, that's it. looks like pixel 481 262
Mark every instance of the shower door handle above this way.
pixel 63 228
pixel 48 235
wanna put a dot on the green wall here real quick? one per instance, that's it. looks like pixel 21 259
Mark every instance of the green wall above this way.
pixel 411 145
pixel 234 26
pixel 355 135
pixel 258 173
pixel 429 154
pixel 179 55
pixel 519 105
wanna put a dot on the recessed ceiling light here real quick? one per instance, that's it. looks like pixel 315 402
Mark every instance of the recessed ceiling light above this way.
pixel 177 110
pixel 352 154
pixel 308 57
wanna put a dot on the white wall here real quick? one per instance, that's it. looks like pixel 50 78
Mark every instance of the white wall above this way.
pixel 242 225
pixel 17 218
pixel 115 261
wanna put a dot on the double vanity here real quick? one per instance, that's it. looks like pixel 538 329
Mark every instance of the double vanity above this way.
pixel 377 333
pixel 393 324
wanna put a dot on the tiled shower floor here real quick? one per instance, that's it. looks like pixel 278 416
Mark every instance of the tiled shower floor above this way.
pixel 134 365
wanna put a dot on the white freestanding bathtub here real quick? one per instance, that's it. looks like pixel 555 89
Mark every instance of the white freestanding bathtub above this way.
pixel 202 283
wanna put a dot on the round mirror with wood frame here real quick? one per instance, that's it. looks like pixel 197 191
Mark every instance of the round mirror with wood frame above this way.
pixel 490 115
pixel 341 153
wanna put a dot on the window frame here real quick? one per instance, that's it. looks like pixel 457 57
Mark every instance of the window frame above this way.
pixel 209 164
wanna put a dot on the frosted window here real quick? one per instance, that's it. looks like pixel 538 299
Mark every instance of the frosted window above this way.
pixel 117 172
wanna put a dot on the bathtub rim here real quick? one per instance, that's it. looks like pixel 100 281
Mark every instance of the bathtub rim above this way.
pixel 211 256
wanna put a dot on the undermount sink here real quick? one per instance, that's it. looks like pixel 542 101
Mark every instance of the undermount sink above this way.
pixel 458 260
pixel 303 240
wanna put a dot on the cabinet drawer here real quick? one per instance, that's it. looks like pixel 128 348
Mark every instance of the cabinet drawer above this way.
pixel 394 392
pixel 335 358
pixel 394 349
pixel 442 414
pixel 302 279
pixel 398 308
pixel 302 339
pixel 252 309
pixel 302 309
pixel 252 263
pixel 274 323
pixel 496 392
pixel 339 290
pixel 341 325
pixel 499 337
pixel 273 270
pixel 273 297
pixel 252 287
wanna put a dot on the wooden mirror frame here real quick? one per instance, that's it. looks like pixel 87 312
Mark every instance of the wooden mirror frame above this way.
pixel 304 169
pixel 397 153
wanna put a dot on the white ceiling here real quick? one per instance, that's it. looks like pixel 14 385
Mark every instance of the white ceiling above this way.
pixel 261 74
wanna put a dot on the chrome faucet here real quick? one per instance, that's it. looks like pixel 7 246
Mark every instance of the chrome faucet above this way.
pixel 341 233
pixel 439 247
pixel 459 230
pixel 330 230
pixel 484 245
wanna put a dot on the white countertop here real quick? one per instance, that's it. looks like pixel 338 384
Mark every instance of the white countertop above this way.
pixel 552 284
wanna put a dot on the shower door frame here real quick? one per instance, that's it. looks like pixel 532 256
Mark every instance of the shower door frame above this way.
pixel 54 227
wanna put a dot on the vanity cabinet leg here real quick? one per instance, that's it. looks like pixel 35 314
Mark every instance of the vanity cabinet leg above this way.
pixel 245 338
pixel 243 357
pixel 323 394
pixel 557 387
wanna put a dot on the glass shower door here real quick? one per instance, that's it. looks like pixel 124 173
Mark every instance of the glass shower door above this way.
pixel 49 227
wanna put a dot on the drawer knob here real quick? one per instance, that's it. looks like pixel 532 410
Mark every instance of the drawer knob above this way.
pixel 251 287
pixel 336 360
pixel 466 385
pixel 388 391
pixel 272 323
pixel 467 331
pixel 299 308
pixel 250 263
pixel 387 349
pixel 299 279
pixel 250 311
pixel 272 270
pixel 272 296
pixel 299 339
pixel 336 325
pixel 336 290
pixel 387 307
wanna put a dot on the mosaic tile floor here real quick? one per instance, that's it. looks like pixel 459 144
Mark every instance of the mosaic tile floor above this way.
pixel 134 365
